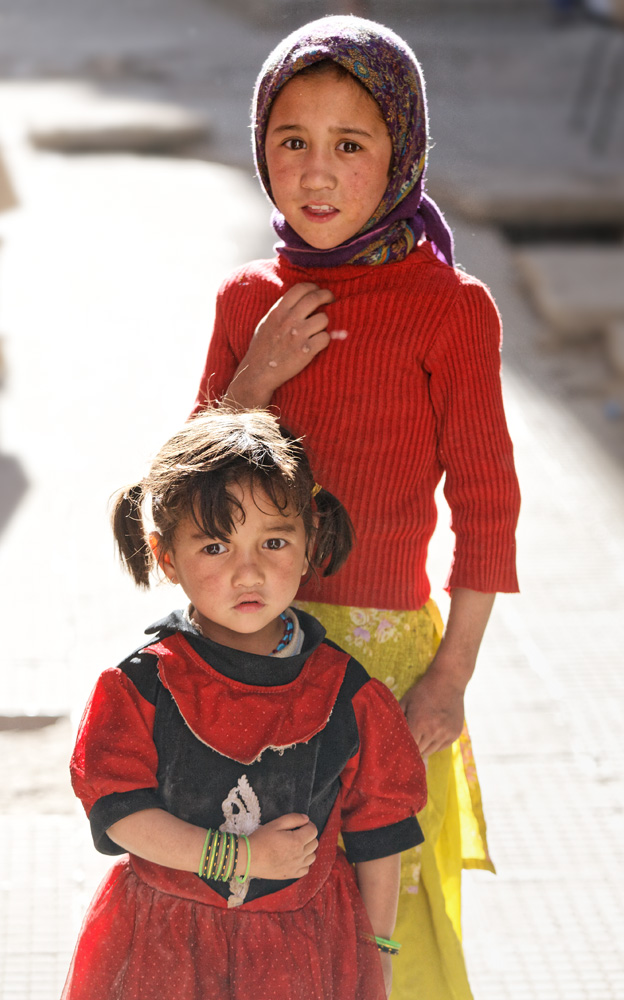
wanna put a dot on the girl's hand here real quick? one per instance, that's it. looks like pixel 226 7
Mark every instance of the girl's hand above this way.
pixel 434 709
pixel 282 849
pixel 285 341
pixel 386 968
pixel 434 706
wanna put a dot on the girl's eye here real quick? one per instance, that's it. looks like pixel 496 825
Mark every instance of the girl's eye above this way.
pixel 275 543
pixel 294 144
pixel 215 549
pixel 348 146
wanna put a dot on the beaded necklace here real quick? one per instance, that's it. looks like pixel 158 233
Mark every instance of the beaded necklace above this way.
pixel 289 628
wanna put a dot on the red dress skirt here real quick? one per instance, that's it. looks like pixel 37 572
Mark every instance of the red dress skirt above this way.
pixel 154 933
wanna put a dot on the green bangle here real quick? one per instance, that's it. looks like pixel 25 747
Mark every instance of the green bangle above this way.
pixel 387 946
pixel 233 858
pixel 200 870
pixel 227 861
pixel 241 881
pixel 218 872
pixel 211 856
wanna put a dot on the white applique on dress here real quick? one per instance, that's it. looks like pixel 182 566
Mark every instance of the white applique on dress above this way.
pixel 241 810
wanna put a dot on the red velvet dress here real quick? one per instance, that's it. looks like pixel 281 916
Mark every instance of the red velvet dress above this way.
pixel 221 738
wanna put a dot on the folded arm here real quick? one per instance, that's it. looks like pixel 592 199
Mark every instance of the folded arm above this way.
pixel 282 849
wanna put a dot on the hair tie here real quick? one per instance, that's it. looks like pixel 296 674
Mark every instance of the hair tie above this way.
pixel 316 489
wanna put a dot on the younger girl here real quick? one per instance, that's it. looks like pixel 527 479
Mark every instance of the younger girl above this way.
pixel 367 340
pixel 227 753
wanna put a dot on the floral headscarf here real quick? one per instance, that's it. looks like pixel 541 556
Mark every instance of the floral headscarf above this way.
pixel 389 70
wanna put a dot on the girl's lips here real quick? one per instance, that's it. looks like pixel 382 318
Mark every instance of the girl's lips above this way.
pixel 319 213
pixel 249 605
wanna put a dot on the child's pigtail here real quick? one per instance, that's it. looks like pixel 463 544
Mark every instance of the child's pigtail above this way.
pixel 334 535
pixel 133 546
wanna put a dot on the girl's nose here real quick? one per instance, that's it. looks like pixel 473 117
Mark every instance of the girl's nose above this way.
pixel 317 173
pixel 247 572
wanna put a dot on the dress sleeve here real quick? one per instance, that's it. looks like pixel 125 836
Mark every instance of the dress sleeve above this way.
pixel 114 763
pixel 474 444
pixel 384 783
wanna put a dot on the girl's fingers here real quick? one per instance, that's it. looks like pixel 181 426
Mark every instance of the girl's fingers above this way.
pixel 310 850
pixel 300 306
pixel 292 821
pixel 297 292
pixel 308 833
pixel 310 326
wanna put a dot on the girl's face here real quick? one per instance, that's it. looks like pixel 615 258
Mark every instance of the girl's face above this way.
pixel 328 155
pixel 240 587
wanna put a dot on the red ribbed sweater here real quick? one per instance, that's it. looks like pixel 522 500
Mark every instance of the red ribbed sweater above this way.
pixel 412 393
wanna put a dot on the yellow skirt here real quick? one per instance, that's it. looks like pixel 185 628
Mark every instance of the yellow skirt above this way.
pixel 397 647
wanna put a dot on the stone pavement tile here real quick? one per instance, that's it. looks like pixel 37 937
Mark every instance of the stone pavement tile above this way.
pixel 37 905
pixel 48 871
pixel 35 754
pixel 550 924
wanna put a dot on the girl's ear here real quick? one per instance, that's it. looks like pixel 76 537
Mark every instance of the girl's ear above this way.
pixel 310 544
pixel 162 556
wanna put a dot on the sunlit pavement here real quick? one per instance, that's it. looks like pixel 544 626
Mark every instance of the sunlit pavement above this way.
pixel 107 281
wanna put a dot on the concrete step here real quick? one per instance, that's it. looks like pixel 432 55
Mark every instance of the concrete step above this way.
pixel 84 121
pixel 577 290
pixel 506 197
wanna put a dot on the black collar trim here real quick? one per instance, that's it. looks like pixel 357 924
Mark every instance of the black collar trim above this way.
pixel 247 668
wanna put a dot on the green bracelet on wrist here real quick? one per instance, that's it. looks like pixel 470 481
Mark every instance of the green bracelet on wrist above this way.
pixel 387 946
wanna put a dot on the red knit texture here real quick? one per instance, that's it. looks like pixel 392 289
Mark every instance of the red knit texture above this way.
pixel 412 393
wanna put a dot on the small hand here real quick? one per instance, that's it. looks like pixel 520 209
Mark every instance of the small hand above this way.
pixel 285 341
pixel 434 709
pixel 285 848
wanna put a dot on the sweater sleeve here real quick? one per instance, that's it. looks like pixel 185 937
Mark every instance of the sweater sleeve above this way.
pixel 384 783
pixel 221 362
pixel 114 763
pixel 474 445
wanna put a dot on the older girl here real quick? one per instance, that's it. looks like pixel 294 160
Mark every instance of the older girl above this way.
pixel 363 336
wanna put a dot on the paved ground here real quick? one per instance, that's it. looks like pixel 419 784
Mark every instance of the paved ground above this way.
pixel 111 263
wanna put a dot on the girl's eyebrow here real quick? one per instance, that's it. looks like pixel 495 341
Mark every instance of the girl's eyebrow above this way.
pixel 352 129
pixel 282 526
pixel 336 129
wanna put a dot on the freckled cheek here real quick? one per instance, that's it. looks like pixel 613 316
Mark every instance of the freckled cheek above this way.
pixel 287 572
pixel 281 173
pixel 208 585
pixel 361 182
